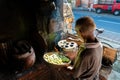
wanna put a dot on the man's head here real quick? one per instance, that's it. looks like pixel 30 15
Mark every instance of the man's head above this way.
pixel 85 27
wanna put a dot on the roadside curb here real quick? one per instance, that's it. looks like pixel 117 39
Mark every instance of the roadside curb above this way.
pixel 81 8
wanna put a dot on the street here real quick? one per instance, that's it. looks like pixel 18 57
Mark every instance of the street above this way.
pixel 106 21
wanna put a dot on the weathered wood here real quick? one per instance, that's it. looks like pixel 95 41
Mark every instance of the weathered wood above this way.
pixel 110 53
pixel 109 56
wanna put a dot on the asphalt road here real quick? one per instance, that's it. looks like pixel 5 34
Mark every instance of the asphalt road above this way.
pixel 107 21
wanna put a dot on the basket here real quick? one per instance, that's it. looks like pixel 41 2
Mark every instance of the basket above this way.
pixel 55 65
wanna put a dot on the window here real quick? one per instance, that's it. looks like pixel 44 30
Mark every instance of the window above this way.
pixel 118 1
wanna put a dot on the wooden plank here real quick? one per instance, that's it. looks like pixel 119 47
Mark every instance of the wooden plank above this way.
pixel 109 53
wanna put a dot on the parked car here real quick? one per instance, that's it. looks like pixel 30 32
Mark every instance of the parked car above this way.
pixel 106 5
